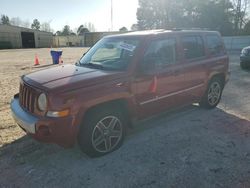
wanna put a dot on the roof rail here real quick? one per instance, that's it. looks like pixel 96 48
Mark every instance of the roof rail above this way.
pixel 192 28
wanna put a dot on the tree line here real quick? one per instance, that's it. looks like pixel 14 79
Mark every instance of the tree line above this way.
pixel 45 26
pixel 16 21
pixel 228 17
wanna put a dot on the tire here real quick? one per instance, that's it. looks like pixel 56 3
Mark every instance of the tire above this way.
pixel 213 93
pixel 102 132
pixel 243 65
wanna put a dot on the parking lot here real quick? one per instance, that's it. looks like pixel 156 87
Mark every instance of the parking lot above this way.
pixel 189 147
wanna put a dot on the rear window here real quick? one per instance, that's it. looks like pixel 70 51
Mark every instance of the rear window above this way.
pixel 193 47
pixel 215 45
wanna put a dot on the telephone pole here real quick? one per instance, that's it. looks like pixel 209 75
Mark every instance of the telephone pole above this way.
pixel 111 15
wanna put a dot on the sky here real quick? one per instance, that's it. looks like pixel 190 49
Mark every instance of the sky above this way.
pixel 73 12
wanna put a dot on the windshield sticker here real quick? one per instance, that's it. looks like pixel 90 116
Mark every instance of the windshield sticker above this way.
pixel 128 47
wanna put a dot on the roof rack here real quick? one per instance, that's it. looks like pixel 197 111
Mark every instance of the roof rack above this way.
pixel 182 28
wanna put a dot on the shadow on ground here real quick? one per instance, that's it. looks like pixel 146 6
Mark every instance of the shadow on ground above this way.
pixel 191 147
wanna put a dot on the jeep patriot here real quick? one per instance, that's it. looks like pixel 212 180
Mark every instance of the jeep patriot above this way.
pixel 122 78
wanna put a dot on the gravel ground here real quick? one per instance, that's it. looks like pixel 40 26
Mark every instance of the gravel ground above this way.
pixel 190 147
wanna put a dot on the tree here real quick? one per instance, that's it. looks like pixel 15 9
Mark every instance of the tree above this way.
pixel 216 15
pixel 45 26
pixel 90 26
pixel 81 30
pixel 35 24
pixel 247 28
pixel 66 30
pixel 25 23
pixel 58 33
pixel 72 33
pixel 165 14
pixel 16 21
pixel 134 27
pixel 5 20
pixel 240 12
pixel 123 29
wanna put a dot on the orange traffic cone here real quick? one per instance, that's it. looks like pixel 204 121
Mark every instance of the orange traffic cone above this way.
pixel 153 85
pixel 36 60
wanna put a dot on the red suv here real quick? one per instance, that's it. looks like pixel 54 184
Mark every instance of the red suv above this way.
pixel 122 78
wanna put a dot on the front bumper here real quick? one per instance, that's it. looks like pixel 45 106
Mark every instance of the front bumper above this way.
pixel 61 131
pixel 23 119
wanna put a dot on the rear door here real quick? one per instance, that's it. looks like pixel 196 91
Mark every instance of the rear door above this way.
pixel 194 66
pixel 218 59
pixel 159 84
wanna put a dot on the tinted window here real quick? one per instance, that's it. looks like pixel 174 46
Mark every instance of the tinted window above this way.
pixel 215 45
pixel 193 47
pixel 161 52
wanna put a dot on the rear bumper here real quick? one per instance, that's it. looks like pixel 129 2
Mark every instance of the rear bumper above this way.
pixel 61 131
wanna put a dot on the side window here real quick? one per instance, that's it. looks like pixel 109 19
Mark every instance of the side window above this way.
pixel 161 52
pixel 215 45
pixel 193 47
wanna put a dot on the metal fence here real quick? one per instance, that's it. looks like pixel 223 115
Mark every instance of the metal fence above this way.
pixel 236 42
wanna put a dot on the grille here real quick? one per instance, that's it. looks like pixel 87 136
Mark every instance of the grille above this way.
pixel 27 98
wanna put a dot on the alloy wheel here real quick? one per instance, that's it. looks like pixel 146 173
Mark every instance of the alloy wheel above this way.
pixel 214 93
pixel 107 134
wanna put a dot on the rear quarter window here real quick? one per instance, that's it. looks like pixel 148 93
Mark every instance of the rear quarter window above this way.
pixel 214 44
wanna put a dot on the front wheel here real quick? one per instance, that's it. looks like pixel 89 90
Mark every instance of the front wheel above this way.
pixel 213 94
pixel 102 132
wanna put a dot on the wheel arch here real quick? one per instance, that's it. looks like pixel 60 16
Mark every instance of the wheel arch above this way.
pixel 122 104
pixel 220 76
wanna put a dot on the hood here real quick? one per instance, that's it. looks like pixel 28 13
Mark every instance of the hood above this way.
pixel 68 77
pixel 247 48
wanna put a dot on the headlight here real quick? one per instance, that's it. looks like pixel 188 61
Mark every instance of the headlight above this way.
pixel 42 102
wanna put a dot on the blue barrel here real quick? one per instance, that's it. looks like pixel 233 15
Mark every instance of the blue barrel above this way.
pixel 55 56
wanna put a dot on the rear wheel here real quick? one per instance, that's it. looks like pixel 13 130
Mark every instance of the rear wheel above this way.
pixel 213 94
pixel 102 132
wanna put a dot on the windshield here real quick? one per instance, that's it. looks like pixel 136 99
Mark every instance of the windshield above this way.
pixel 110 53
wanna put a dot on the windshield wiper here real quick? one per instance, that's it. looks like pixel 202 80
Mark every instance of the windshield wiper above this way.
pixel 93 65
